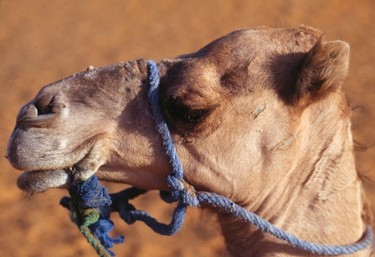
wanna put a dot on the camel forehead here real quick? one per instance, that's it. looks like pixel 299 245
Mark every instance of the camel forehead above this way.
pixel 242 43
pixel 240 62
pixel 262 36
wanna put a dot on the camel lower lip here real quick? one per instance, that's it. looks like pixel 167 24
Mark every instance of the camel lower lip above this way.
pixel 42 180
pixel 36 181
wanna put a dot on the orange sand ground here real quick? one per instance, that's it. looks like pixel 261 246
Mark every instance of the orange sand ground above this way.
pixel 42 41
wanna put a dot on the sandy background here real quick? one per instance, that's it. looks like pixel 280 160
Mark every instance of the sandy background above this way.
pixel 42 41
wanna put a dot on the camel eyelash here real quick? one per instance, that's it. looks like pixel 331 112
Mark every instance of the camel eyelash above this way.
pixel 180 112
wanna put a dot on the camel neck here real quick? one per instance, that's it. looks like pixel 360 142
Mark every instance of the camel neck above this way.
pixel 324 205
pixel 335 220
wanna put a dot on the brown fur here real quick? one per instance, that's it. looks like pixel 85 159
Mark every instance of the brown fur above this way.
pixel 257 116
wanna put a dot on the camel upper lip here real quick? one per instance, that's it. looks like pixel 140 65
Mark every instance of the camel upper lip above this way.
pixel 40 121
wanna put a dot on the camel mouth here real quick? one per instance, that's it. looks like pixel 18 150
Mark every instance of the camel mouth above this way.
pixel 37 181
pixel 57 170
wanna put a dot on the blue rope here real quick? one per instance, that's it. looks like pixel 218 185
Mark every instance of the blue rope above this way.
pixel 90 194
pixel 90 206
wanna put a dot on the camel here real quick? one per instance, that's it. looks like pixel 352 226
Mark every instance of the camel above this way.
pixel 257 116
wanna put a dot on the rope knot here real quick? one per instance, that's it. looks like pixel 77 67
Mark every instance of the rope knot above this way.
pixel 181 191
pixel 127 213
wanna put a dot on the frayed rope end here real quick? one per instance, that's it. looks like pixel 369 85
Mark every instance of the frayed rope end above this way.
pixel 90 207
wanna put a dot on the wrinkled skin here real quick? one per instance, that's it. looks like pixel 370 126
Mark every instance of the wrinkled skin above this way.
pixel 257 116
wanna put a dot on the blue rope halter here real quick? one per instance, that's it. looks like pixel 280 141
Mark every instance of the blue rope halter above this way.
pixel 182 193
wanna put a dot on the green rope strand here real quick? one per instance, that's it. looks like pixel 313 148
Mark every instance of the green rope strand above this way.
pixel 94 242
pixel 83 220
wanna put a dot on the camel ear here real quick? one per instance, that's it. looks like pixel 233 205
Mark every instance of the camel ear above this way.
pixel 323 71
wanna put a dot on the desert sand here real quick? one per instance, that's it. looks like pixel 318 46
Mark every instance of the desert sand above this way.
pixel 42 41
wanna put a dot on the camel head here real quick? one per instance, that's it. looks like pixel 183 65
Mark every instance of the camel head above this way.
pixel 243 111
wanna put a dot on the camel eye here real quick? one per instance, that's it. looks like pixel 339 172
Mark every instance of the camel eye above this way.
pixel 180 112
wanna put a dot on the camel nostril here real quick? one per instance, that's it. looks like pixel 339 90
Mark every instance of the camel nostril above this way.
pixel 46 105
pixel 37 115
